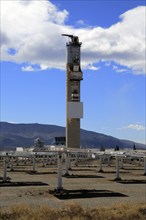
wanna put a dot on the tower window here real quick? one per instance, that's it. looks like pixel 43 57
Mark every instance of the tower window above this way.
pixel 75 68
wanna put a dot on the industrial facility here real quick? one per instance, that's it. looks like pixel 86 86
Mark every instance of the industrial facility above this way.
pixel 74 107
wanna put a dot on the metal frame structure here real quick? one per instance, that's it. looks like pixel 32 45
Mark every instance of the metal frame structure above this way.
pixel 66 154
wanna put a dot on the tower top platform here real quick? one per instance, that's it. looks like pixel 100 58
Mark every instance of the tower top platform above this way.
pixel 74 39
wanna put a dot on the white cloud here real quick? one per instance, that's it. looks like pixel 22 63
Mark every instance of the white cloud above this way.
pixel 136 126
pixel 81 22
pixel 28 69
pixel 119 70
pixel 33 30
pixel 107 64
pixel 92 67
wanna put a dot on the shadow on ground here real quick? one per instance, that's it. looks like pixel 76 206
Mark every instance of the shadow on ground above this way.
pixel 6 184
pixel 132 181
pixel 40 173
pixel 82 176
pixel 83 169
pixel 31 172
pixel 108 172
pixel 85 193
pixel 134 169
pixel 19 171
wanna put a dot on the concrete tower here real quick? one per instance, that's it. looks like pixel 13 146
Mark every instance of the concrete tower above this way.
pixel 74 107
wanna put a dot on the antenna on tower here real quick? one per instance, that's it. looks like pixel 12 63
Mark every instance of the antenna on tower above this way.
pixel 74 39
pixel 68 35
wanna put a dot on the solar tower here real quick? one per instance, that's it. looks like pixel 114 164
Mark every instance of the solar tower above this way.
pixel 74 108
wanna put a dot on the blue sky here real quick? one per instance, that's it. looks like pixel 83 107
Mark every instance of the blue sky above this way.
pixel 33 80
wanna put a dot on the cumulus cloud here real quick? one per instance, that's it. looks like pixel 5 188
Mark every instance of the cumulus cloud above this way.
pixel 119 70
pixel 92 67
pixel 136 126
pixel 28 69
pixel 33 30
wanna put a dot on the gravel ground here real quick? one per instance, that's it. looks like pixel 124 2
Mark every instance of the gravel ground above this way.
pixel 85 176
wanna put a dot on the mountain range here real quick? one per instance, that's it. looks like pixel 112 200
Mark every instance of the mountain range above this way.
pixel 23 135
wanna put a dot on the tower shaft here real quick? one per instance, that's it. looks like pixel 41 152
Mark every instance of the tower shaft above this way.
pixel 74 107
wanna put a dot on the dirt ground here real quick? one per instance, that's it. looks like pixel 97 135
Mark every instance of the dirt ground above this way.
pixel 102 187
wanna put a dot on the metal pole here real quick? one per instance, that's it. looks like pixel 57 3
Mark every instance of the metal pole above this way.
pixel 25 160
pixel 51 160
pixel 130 160
pixel 122 163
pixel 59 186
pixel 109 160
pixel 33 169
pixel 85 159
pixel 100 170
pixel 144 166
pixel 55 159
pixel 17 161
pixel 117 169
pixel 8 162
pixel 43 162
pixel 69 162
pixel 76 159
pixel 67 165
pixel 12 163
pixel 5 170
pixel 139 161
pixel 47 161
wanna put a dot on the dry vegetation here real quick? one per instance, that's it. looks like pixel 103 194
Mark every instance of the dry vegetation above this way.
pixel 75 212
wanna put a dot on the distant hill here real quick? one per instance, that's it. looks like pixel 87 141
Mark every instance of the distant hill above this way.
pixel 23 135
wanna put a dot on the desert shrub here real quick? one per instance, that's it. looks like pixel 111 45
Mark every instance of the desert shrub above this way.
pixel 75 212
pixel 72 210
